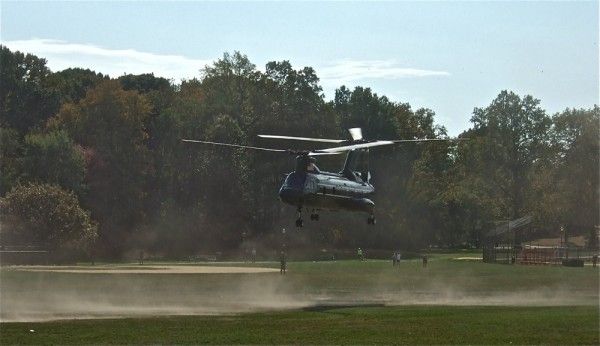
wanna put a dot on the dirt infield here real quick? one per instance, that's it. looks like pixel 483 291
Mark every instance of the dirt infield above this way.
pixel 471 258
pixel 144 269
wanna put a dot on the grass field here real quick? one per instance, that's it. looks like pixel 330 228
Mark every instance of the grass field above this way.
pixel 387 325
pixel 449 302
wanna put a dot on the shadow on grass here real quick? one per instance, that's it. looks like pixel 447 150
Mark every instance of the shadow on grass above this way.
pixel 329 307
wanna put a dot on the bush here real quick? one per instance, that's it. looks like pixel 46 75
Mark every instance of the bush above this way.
pixel 47 216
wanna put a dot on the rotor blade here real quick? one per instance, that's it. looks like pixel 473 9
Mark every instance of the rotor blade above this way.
pixel 430 140
pixel 355 146
pixel 235 145
pixel 325 140
pixel 319 153
pixel 380 143
pixel 356 133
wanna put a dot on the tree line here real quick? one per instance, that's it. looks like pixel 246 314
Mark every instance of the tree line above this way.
pixel 97 163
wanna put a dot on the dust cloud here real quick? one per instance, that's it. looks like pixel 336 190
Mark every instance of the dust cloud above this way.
pixel 42 296
pixel 63 294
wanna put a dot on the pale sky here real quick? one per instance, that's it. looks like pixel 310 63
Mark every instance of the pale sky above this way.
pixel 447 56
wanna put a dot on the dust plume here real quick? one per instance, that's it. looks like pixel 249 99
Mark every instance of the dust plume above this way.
pixel 42 296
pixel 98 293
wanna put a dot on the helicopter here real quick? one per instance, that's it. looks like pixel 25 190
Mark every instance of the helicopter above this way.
pixel 309 188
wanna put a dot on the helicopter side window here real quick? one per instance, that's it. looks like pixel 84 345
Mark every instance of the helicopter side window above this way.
pixel 358 177
pixel 311 167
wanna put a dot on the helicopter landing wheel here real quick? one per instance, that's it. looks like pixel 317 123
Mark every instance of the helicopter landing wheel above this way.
pixel 314 217
pixel 371 220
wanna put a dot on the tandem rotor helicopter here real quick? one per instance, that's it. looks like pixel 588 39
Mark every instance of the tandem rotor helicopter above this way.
pixel 309 188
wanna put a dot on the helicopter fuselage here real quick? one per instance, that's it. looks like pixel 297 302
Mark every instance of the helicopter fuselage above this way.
pixel 327 191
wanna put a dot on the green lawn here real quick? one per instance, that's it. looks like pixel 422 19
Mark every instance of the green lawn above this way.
pixel 382 325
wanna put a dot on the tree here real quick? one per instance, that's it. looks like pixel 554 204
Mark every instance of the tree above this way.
pixel 10 152
pixel 225 179
pixel 25 99
pixel 576 187
pixel 468 188
pixel 227 84
pixel 516 131
pixel 53 158
pixel 72 84
pixel 46 215
pixel 109 124
pixel 157 90
pixel 377 116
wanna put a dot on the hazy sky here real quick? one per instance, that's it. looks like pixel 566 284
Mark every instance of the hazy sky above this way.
pixel 447 56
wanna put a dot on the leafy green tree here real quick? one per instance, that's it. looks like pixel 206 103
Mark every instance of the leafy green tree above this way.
pixel 227 84
pixel 46 215
pixel 53 158
pixel 72 84
pixel 469 189
pixel 516 135
pixel 144 83
pixel 10 151
pixel 576 188
pixel 157 90
pixel 377 116
pixel 226 177
pixel 295 102
pixel 25 100
pixel 176 163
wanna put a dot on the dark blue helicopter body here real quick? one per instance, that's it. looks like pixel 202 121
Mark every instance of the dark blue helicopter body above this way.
pixel 309 188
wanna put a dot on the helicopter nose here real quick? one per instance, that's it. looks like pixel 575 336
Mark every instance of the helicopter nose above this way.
pixel 290 195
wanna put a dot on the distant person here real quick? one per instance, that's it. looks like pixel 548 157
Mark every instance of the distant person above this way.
pixel 359 252
pixel 398 257
pixel 594 260
pixel 282 263
pixel 394 258
pixel 141 259
pixel 424 261
pixel 253 255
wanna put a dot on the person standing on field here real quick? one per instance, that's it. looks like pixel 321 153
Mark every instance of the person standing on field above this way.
pixel 282 263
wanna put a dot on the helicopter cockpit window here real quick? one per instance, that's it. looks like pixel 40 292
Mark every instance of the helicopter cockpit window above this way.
pixel 359 177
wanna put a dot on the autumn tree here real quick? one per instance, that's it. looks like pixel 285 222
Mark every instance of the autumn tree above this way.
pixel 46 215
pixel 109 124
